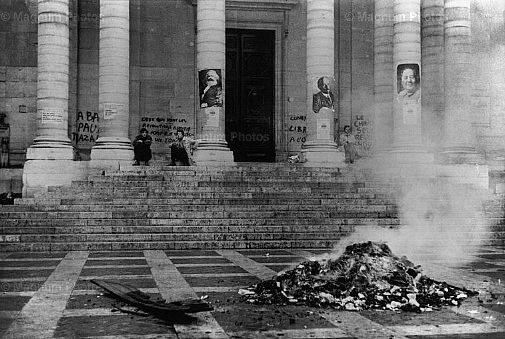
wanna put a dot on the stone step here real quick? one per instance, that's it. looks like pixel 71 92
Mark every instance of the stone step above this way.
pixel 23 223
pixel 183 245
pixel 295 208
pixel 199 215
pixel 364 200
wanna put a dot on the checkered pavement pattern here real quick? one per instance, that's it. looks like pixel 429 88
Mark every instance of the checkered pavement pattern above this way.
pixel 49 295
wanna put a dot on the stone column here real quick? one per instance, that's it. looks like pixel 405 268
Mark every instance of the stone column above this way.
pixel 52 142
pixel 383 68
pixel 432 73
pixel 459 135
pixel 210 60
pixel 113 78
pixel 407 144
pixel 320 148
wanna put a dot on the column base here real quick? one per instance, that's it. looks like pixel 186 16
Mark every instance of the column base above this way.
pixel 112 149
pixel 50 149
pixel 323 155
pixel 460 156
pixel 40 174
pixel 213 154
pixel 406 156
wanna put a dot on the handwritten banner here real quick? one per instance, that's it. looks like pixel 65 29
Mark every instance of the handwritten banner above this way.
pixel 86 129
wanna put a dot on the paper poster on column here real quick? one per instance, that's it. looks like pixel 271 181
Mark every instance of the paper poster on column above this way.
pixel 323 129
pixel 212 114
pixel 109 111
pixel 51 115
pixel 408 87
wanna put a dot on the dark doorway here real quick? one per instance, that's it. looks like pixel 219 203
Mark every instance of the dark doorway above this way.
pixel 249 94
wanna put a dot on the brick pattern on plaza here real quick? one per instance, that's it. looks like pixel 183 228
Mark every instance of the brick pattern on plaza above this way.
pixel 49 294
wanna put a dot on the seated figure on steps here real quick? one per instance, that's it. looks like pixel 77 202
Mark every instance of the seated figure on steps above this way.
pixel 142 148
pixel 181 150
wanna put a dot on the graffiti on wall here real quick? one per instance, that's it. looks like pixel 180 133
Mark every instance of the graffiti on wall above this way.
pixel 86 129
pixel 297 131
pixel 363 134
pixel 163 130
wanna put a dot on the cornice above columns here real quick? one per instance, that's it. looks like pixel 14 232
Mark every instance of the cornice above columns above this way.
pixel 276 5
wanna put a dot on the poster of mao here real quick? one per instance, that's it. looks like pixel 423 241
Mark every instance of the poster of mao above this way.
pixel 323 94
pixel 211 88
pixel 408 84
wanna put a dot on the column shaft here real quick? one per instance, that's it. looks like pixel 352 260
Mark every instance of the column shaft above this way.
pixel 210 59
pixel 383 68
pixel 432 71
pixel 459 136
pixel 407 60
pixel 113 77
pixel 52 140
pixel 320 148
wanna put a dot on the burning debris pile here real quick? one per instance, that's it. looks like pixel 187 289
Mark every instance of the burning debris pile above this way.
pixel 367 276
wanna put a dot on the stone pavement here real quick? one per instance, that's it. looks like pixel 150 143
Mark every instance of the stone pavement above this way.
pixel 48 295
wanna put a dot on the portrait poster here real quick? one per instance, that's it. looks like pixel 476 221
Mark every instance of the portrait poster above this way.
pixel 211 88
pixel 323 96
pixel 409 92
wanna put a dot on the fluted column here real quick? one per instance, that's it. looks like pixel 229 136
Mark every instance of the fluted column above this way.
pixel 459 136
pixel 432 71
pixel 407 95
pixel 52 142
pixel 210 60
pixel 113 82
pixel 320 148
pixel 383 68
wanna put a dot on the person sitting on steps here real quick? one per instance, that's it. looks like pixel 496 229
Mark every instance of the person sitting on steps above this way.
pixel 142 148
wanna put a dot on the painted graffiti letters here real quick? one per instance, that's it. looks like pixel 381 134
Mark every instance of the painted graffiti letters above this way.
pixel 297 130
pixel 86 129
pixel 362 134
pixel 164 130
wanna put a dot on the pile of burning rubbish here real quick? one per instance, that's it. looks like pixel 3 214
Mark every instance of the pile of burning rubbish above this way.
pixel 367 276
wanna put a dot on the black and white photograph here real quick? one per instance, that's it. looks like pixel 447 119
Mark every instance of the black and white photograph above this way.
pixel 231 169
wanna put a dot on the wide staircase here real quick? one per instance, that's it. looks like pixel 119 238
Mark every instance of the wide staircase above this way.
pixel 244 206
pixel 162 207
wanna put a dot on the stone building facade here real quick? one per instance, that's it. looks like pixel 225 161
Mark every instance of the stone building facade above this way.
pixel 79 78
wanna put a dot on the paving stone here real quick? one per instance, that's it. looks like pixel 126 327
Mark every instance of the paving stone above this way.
pixel 91 301
pixel 29 263
pixel 36 255
pixel 90 326
pixel 4 324
pixel 494 275
pixel 263 252
pixel 115 254
pixel 263 318
pixel 115 271
pixel 191 253
pixel 20 286
pixel 191 260
pixel 221 281
pixel 12 303
pixel 14 274
pixel 210 269
pixel 442 317
pixel 496 335
pixel 83 284
pixel 271 259
pixel 113 262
